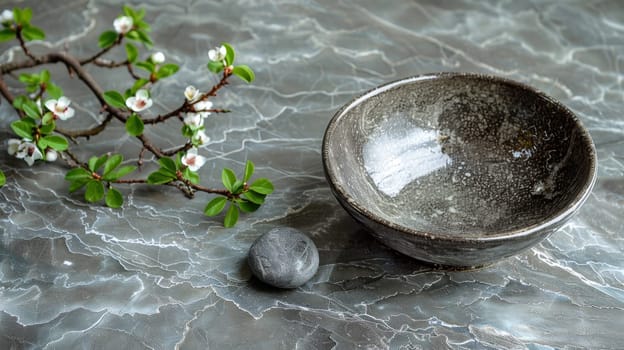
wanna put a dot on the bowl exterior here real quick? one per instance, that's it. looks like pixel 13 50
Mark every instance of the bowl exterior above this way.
pixel 451 253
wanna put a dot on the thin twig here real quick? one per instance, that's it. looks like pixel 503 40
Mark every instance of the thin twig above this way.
pixel 4 90
pixel 131 71
pixel 20 37
pixel 110 64
pixel 102 52
pixel 73 134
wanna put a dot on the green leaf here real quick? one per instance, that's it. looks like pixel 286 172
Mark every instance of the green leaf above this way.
pixel 228 178
pixel 145 38
pixel 254 197
pixel 132 35
pixel 159 177
pixel 238 186
pixel 77 184
pixel 262 186
pixel 132 52
pixel 19 101
pixel 231 217
pixel 111 163
pixel 48 124
pixel 114 199
pixel 31 33
pixel 22 16
pixel 139 83
pixel 248 206
pixel 44 76
pixel 146 66
pixel 215 206
pixel 167 70
pixel 244 73
pixel 134 125
pixel 215 67
pixel 128 11
pixel 142 24
pixel 249 170
pixel 29 79
pixel 119 173
pixel 7 34
pixel 192 176
pixel 54 90
pixel 140 35
pixel 56 142
pixel 187 131
pixel 31 109
pixel 2 178
pixel 230 54
pixel 94 191
pixel 107 39
pixel 140 14
pixel 95 163
pixel 114 99
pixel 168 164
pixel 23 129
pixel 78 174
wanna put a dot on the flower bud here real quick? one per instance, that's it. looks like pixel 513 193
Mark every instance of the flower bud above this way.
pixel 51 155
pixel 158 57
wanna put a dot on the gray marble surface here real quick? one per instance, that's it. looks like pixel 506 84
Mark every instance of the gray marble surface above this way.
pixel 157 274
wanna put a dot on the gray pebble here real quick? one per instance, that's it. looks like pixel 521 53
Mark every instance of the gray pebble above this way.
pixel 283 257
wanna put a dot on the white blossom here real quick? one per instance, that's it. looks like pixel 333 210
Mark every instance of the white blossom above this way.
pixel 157 57
pixel 6 16
pixel 25 150
pixel 201 137
pixel 60 108
pixel 217 54
pixel 194 120
pixel 13 146
pixel 123 24
pixel 140 101
pixel 193 160
pixel 202 106
pixel 191 93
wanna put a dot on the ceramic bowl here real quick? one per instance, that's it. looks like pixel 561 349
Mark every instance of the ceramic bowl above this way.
pixel 458 169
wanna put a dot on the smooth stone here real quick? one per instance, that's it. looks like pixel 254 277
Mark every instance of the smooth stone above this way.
pixel 283 257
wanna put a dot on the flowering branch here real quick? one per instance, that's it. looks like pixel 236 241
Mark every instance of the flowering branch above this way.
pixel 44 105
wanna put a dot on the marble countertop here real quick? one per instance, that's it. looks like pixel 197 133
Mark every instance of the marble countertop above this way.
pixel 157 274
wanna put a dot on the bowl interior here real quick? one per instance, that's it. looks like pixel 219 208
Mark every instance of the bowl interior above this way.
pixel 458 154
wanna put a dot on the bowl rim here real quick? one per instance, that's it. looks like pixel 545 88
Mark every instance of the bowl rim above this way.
pixel 559 216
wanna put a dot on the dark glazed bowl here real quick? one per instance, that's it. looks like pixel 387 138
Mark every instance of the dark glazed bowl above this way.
pixel 458 169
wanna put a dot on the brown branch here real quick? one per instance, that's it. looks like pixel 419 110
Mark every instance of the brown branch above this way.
pixel 223 82
pixel 4 90
pixel 150 147
pixel 225 193
pixel 75 66
pixel 182 148
pixel 73 134
pixel 20 37
pixel 110 64
pixel 74 158
pixel 131 71
pixel 183 185
pixel 93 58
pixel 162 118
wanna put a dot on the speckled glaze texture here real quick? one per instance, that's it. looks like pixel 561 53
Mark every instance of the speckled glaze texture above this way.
pixel 459 169
pixel 157 274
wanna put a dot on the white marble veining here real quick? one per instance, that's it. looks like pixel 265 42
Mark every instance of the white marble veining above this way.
pixel 157 274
